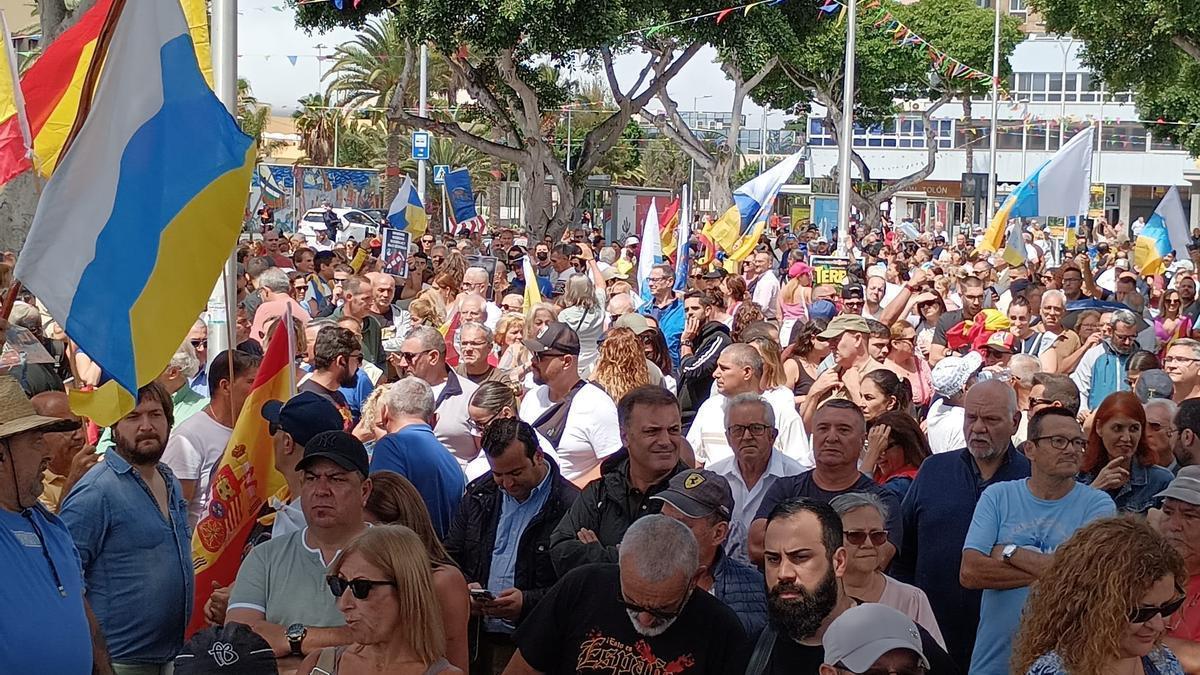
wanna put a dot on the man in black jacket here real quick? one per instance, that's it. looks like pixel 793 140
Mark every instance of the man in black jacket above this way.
pixel 596 522
pixel 700 345
pixel 500 536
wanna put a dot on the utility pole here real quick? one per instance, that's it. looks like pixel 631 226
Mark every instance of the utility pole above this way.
pixel 991 193
pixel 422 109
pixel 843 245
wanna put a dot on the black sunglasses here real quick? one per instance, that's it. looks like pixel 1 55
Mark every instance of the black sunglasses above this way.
pixel 1144 614
pixel 859 537
pixel 361 588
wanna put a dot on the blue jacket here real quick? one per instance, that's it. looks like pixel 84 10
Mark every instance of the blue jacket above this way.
pixel 1108 376
pixel 1140 493
pixel 743 589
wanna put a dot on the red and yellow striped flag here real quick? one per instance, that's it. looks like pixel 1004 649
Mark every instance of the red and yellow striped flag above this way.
pixel 245 479
pixel 12 107
pixel 668 221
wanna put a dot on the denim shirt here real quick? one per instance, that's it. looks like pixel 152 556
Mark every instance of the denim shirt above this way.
pixel 1139 493
pixel 137 565
pixel 515 518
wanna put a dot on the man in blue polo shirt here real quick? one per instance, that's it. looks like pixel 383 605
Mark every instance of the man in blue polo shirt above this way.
pixel 43 615
pixel 665 308
pixel 937 510
pixel 411 450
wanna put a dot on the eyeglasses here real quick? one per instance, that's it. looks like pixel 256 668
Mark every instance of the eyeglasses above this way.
pixel 859 537
pixel 472 343
pixel 756 430
pixel 361 588
pixel 476 428
pixel 1061 442
pixel 512 308
pixel 1144 614
pixel 1180 359
pixel 1156 427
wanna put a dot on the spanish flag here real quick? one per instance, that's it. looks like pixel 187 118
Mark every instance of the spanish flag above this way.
pixel 12 107
pixel 668 221
pixel 245 479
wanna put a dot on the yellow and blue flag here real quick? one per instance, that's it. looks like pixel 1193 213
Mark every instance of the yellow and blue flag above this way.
pixel 407 212
pixel 1166 231
pixel 737 230
pixel 142 212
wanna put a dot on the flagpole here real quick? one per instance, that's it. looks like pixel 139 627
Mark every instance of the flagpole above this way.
pixel 847 134
pixel 991 198
pixel 224 54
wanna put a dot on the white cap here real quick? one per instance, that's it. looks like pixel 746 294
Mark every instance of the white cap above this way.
pixel 862 634
pixel 877 271
pixel 1122 264
pixel 631 241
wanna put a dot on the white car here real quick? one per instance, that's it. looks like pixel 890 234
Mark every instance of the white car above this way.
pixel 354 223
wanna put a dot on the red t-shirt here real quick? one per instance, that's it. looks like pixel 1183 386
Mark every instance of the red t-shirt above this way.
pixel 1186 622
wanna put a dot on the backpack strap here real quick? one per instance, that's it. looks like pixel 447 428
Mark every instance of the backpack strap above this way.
pixel 762 651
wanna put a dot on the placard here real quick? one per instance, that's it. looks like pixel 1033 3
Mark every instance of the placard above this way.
pixel 828 269
pixel 394 252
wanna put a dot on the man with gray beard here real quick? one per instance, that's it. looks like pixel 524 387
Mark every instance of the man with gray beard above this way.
pixel 804 559
pixel 643 614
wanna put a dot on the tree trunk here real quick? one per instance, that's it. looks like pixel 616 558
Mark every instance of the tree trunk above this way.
pixel 391 173
pixel 51 13
pixel 493 196
pixel 535 199
pixel 719 177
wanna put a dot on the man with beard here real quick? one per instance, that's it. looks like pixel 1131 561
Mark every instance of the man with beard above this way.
pixel 337 355
pixel 129 521
pixel 1101 371
pixel 642 615
pixel 804 562
pixel 971 293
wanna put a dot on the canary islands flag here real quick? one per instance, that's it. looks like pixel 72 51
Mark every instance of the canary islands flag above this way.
pixel 141 214
pixel 737 230
pixel 407 212
pixel 1166 231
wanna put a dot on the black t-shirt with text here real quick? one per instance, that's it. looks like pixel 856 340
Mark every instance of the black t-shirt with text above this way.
pixel 582 627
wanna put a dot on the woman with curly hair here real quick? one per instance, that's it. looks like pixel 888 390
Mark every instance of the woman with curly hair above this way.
pixel 1102 605
pixel 746 314
pixel 1118 460
pixel 621 367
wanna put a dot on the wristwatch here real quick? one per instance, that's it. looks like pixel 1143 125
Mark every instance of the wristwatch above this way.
pixel 1007 553
pixel 295 636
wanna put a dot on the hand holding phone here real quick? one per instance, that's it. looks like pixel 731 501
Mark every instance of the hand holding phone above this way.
pixel 482 595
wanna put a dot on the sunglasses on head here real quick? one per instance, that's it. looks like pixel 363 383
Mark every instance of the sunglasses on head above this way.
pixel 859 537
pixel 1144 614
pixel 361 588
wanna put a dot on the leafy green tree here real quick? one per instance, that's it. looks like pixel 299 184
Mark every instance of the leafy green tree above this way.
pixel 316 121
pixel 665 164
pixel 495 49
pixel 1149 47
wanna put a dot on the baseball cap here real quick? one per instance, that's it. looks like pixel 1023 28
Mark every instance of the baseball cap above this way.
pixel 698 494
pixel 1001 341
pixel 631 241
pixel 716 273
pixel 843 323
pixel 822 309
pixel 232 649
pixel 950 376
pixel 799 269
pixel 338 447
pixel 1154 383
pixel 634 322
pixel 852 291
pixel 862 634
pixel 1185 486
pixel 303 416
pixel 556 337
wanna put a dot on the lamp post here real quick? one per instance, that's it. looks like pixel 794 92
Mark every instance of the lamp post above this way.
pixel 991 195
pixel 843 246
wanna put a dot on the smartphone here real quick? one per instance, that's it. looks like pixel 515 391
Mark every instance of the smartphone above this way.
pixel 482 594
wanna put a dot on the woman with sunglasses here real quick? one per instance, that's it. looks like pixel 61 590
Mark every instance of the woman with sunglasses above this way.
pixel 1118 460
pixel 385 589
pixel 1171 324
pixel 807 351
pixel 863 516
pixel 903 360
pixel 1103 604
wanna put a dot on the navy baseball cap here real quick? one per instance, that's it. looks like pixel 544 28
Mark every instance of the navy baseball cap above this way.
pixel 303 416
pixel 232 649
pixel 338 447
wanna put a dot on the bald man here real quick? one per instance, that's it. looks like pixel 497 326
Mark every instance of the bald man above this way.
pixel 70 455
pixel 383 293
pixel 477 280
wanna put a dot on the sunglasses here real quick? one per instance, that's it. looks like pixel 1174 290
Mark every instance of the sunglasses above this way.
pixel 859 537
pixel 198 343
pixel 660 614
pixel 512 308
pixel 1144 614
pixel 361 588
pixel 408 356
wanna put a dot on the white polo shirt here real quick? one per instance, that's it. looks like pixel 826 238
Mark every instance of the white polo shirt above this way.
pixel 747 500
pixel 707 435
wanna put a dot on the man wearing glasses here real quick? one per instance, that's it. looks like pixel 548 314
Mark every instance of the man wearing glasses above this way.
pixel 1101 371
pixel 1016 527
pixel 665 308
pixel 1182 364
pixel 423 355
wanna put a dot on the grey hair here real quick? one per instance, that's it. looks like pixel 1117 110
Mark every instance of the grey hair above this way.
pixel 1191 344
pixel 750 399
pixel 660 548
pixel 411 397
pixel 429 338
pixel 1055 293
pixel 745 356
pixel 580 292
pixel 275 280
pixel 475 325
pixel 474 297
pixel 852 501
pixel 476 269
pixel 1171 406
pixel 1024 367
pixel 1123 316
pixel 185 360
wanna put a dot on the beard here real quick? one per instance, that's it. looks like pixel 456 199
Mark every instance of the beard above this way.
pixel 350 379
pixel 802 616
pixel 649 631
pixel 138 454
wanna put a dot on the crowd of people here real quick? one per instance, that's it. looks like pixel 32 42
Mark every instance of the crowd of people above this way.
pixel 943 463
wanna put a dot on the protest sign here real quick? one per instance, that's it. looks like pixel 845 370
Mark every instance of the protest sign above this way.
pixel 829 269
pixel 394 251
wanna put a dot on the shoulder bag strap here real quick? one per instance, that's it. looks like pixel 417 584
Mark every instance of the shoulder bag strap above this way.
pixel 762 651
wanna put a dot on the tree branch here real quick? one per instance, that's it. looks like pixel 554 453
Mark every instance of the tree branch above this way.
pixel 931 150
pixel 1187 45
pixel 530 109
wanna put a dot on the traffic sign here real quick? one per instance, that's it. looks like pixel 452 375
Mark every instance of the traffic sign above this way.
pixel 439 173
pixel 420 145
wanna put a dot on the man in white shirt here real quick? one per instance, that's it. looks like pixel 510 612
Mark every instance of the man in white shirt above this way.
pixel 739 371
pixel 754 466
pixel 476 280
pixel 195 446
pixel 765 285
pixel 951 378
pixel 587 430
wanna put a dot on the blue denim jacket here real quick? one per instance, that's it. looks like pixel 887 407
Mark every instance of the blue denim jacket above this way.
pixel 137 565
pixel 1138 494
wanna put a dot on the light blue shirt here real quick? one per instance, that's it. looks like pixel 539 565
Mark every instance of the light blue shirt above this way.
pixel 1008 513
pixel 515 517
pixel 136 563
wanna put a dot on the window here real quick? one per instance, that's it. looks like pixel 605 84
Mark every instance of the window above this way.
pixel 1123 137
pixel 1160 142
pixel 1008 135
pixel 973 134
pixel 1016 7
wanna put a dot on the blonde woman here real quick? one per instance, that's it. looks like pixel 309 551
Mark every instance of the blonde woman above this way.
pixel 541 314
pixel 775 374
pixel 515 359
pixel 583 310
pixel 384 587
pixel 368 430
pixel 621 367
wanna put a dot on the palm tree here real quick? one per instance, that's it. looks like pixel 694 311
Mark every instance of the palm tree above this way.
pixel 315 122
pixel 253 117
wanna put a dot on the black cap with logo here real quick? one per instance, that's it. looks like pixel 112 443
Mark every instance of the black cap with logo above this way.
pixel 555 339
pixel 338 447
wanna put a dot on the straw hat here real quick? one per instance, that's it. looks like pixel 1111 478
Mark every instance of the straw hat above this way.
pixel 17 414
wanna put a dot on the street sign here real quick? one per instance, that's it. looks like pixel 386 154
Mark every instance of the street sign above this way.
pixel 439 173
pixel 420 145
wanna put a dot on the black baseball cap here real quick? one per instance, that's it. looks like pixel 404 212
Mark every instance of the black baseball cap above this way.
pixel 338 447
pixel 716 273
pixel 232 649
pixel 555 338
pixel 303 416
pixel 852 291
pixel 699 493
